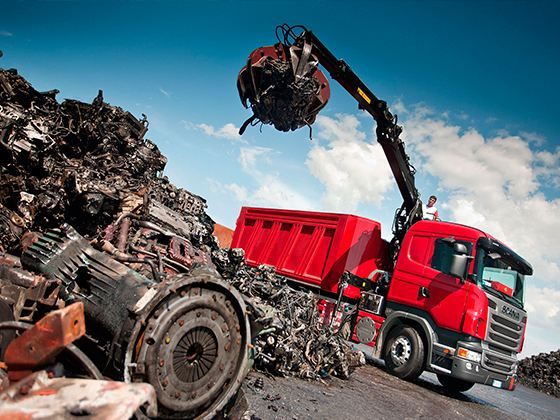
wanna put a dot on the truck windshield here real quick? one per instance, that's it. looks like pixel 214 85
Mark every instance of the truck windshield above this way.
pixel 500 276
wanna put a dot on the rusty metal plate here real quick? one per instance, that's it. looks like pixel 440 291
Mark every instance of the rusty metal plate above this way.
pixel 39 397
pixel 44 340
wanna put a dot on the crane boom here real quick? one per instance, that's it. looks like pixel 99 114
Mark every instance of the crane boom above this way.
pixel 263 83
pixel 387 131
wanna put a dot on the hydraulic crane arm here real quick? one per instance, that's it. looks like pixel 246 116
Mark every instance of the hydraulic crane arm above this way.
pixel 285 87
pixel 387 130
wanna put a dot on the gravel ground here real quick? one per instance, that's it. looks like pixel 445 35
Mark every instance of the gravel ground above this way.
pixel 372 393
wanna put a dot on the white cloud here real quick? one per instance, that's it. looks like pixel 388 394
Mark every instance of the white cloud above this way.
pixel 229 131
pixel 549 302
pixel 463 116
pixel 399 107
pixel 6 33
pixel 342 128
pixel 543 314
pixel 352 170
pixel 239 191
pixel 533 137
pixel 273 192
pixel 269 190
pixel 248 157
pixel 493 183
pixel 496 184
pixel 164 92
pixel 548 167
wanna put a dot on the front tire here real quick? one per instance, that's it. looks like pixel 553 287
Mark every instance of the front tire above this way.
pixel 454 385
pixel 404 353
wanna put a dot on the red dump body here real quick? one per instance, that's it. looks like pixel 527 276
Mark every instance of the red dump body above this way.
pixel 311 247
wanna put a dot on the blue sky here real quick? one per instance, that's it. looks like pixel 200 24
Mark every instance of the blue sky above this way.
pixel 478 77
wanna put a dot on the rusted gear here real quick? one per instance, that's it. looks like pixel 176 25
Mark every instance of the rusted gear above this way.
pixel 195 348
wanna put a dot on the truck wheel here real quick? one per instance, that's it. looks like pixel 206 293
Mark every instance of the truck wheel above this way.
pixel 454 384
pixel 404 353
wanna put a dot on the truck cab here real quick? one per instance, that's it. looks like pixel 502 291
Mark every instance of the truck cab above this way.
pixel 463 291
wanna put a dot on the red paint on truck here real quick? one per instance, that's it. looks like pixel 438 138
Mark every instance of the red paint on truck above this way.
pixel 311 247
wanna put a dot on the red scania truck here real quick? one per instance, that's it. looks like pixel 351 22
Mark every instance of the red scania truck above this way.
pixel 440 296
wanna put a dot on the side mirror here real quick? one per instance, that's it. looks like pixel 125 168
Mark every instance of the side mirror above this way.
pixel 459 261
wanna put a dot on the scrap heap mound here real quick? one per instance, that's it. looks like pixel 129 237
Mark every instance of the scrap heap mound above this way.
pixel 290 339
pixel 78 163
pixel 86 214
pixel 541 372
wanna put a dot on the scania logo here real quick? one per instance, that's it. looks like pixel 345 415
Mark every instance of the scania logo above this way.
pixel 510 312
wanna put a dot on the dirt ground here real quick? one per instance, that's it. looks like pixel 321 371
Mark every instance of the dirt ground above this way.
pixel 372 393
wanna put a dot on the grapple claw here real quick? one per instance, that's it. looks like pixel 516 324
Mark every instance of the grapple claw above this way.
pixel 283 86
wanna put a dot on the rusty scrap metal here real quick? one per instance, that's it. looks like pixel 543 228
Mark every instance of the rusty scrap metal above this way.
pixel 71 355
pixel 290 340
pixel 27 294
pixel 87 216
pixel 41 343
pixel 39 396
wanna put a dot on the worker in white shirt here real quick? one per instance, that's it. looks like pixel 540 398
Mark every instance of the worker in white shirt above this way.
pixel 430 211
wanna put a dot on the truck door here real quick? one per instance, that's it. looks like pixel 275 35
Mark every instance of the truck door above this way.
pixel 446 295
pixel 421 279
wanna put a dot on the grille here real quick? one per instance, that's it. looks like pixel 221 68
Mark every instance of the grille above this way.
pixel 503 332
pixel 499 350
pixel 506 322
pixel 503 338
pixel 498 363
pixel 498 338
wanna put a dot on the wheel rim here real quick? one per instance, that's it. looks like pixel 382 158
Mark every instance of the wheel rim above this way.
pixel 401 349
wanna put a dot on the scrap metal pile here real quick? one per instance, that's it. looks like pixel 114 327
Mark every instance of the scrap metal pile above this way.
pixel 541 372
pixel 290 338
pixel 86 215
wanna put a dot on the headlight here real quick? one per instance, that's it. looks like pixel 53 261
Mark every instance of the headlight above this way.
pixel 473 356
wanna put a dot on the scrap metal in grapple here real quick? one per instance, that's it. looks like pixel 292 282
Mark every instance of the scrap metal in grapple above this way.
pixel 283 86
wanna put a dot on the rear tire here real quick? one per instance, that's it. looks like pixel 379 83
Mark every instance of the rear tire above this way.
pixel 454 385
pixel 404 353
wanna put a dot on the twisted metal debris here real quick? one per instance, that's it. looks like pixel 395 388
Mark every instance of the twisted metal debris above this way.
pixel 290 338
pixel 78 163
pixel 541 372
pixel 284 100
pixel 87 215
